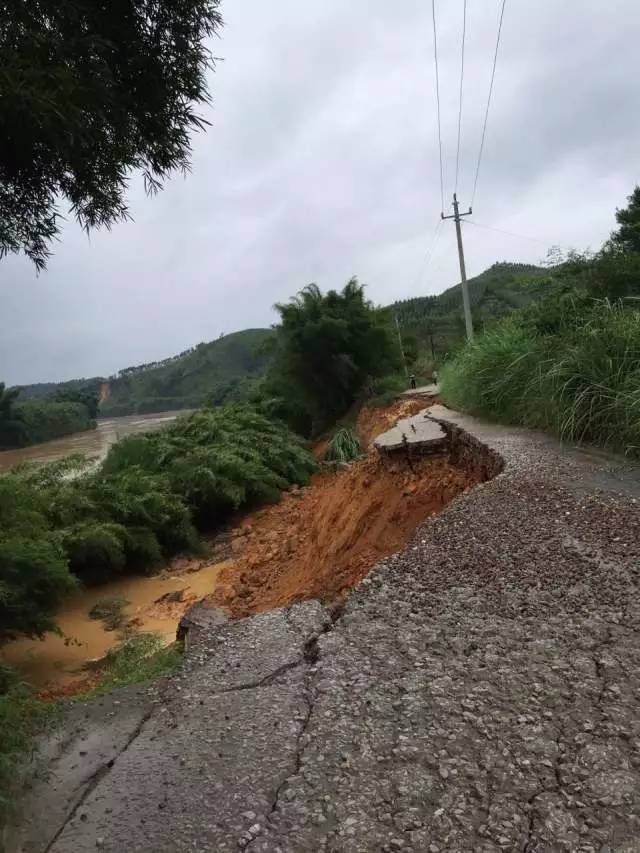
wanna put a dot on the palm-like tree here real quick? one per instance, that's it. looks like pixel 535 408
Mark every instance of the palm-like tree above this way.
pixel 11 427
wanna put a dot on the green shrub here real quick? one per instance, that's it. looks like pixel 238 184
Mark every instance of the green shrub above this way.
pixel 217 460
pixel 110 610
pixel 96 551
pixel 22 507
pixel 34 580
pixel 142 549
pixel 136 509
pixel 46 421
pixel 343 447
pixel 135 498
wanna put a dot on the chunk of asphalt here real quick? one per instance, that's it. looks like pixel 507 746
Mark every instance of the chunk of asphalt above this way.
pixel 417 432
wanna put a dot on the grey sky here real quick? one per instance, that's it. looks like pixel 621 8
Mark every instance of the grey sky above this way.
pixel 322 164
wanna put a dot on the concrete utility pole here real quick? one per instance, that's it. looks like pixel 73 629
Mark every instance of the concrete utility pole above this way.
pixel 463 272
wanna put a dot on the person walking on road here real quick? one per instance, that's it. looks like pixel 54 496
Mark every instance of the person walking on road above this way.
pixel 412 379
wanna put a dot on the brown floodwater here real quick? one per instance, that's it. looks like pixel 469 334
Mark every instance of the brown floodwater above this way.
pixel 58 660
pixel 94 442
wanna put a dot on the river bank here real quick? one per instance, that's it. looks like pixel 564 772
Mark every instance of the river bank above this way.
pixel 315 541
pixel 62 664
pixel 94 443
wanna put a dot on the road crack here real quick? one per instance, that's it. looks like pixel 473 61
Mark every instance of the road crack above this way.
pixel 97 777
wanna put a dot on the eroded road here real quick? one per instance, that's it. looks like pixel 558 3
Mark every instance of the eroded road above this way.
pixel 480 691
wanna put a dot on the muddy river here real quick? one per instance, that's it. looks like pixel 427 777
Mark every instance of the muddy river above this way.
pixel 58 660
pixel 94 442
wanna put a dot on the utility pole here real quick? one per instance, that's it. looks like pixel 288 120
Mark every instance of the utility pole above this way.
pixel 463 272
pixel 404 360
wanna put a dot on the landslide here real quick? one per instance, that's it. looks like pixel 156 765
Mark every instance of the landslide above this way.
pixel 320 541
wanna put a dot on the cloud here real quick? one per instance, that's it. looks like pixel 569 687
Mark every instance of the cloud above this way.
pixel 322 163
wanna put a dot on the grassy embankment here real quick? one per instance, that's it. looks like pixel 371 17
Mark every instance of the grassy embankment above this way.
pixel 571 366
pixel 570 363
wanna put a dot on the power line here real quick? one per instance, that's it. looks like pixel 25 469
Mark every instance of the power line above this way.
pixel 486 115
pixel 428 255
pixel 464 33
pixel 435 57
pixel 509 233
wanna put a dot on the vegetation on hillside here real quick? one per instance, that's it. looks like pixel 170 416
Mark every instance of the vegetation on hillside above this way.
pixel 570 363
pixel 435 324
pixel 46 421
pixel 326 349
pixel 91 93
pixel 210 373
pixel 51 390
pixel 32 422
pixel 144 504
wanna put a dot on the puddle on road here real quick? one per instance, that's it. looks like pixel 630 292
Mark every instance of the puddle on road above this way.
pixel 56 661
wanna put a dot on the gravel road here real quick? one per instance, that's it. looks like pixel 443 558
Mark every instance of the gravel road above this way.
pixel 479 692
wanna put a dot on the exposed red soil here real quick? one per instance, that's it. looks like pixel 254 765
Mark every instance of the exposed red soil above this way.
pixel 321 541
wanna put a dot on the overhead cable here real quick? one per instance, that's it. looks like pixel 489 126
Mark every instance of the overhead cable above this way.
pixel 435 58
pixel 464 34
pixel 486 114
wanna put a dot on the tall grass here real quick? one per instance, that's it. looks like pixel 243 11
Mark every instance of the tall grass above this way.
pixel 343 447
pixel 577 374
pixel 139 658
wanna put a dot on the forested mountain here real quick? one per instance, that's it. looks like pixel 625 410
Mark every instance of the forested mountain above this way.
pixel 213 372
pixel 207 373
pixel 222 370
pixel 47 390
pixel 497 291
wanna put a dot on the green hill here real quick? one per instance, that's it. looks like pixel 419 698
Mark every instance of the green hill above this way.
pixel 223 370
pixel 46 390
pixel 502 288
pixel 214 372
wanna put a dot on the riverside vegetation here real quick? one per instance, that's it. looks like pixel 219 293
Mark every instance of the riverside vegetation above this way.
pixel 32 422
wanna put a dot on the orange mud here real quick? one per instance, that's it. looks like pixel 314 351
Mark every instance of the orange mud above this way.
pixel 321 541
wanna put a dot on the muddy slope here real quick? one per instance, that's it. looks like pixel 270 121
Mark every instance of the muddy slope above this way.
pixel 321 541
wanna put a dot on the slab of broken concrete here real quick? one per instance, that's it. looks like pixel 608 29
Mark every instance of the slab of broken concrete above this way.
pixel 419 433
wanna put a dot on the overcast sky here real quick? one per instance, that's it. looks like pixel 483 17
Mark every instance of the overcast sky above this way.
pixel 321 163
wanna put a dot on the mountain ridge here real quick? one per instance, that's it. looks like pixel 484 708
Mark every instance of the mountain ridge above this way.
pixel 218 371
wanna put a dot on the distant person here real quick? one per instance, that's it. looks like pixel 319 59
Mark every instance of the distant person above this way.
pixel 412 379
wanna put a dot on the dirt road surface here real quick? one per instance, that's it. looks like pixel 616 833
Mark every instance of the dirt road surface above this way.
pixel 479 691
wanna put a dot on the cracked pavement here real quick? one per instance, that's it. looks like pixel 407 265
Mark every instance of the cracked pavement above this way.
pixel 478 692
